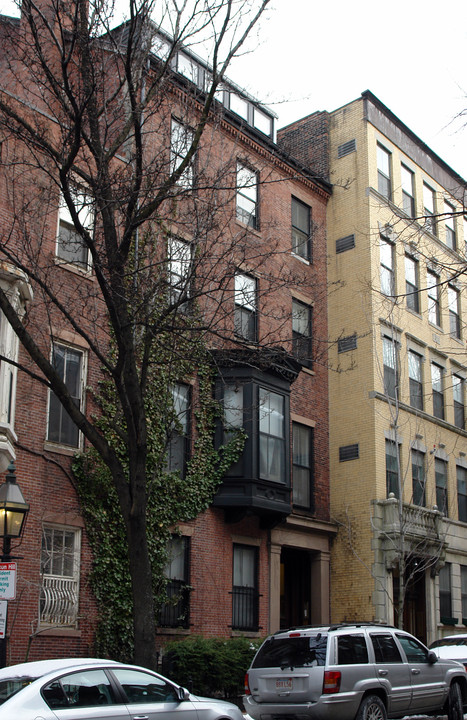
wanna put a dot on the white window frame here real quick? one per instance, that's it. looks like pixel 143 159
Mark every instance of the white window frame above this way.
pixel 181 139
pixel 247 195
pixel 82 385
pixel 84 204
pixel 59 601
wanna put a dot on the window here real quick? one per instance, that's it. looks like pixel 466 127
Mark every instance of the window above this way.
pixel 383 159
pixel 432 282
pixel 438 390
pixel 450 226
pixel 429 208
pixel 458 399
pixel 445 599
pixel 390 367
pixel 60 562
pixel 181 139
pixel 387 267
pixel 245 596
pixel 245 307
pixel 464 593
pixel 71 248
pixel 408 201
pixel 68 362
pixel 454 313
pixel 302 465
pixel 271 436
pixel 386 650
pixel 239 105
pixel 84 689
pixel 301 229
pixel 418 478
pixel 392 468
pixel 351 649
pixel 411 283
pixel 180 271
pixel 178 442
pixel 464 224
pixel 441 482
pixel 415 380
pixel 462 497
pixel 175 612
pixel 247 196
pixel 144 688
pixel 415 652
pixel 302 333
pixel 233 420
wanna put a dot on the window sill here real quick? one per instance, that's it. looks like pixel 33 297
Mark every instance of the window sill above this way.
pixel 61 449
pixel 76 269
pixel 58 632
pixel 246 633
pixel 174 631
pixel 249 228
pixel 302 259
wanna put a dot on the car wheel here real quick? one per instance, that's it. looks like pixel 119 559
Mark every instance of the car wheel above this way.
pixel 372 708
pixel 455 703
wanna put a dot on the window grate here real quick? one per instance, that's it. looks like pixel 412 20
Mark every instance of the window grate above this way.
pixel 345 243
pixel 348 452
pixel 347 343
pixel 346 148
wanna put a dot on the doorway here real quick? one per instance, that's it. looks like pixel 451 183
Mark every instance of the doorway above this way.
pixel 295 605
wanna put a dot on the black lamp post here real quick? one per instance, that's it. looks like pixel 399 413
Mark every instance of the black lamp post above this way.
pixel 13 511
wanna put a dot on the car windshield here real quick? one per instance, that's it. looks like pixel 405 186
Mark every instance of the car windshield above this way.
pixel 449 642
pixel 292 652
pixel 10 686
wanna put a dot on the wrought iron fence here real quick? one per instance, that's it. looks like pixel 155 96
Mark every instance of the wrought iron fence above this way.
pixel 58 603
pixel 244 608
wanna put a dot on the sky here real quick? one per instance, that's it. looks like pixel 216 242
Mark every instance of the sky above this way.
pixel 307 56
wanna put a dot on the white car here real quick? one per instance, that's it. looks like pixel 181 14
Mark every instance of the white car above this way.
pixel 91 689
pixel 452 647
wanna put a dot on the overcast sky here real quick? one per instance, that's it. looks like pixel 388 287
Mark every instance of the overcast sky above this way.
pixel 411 54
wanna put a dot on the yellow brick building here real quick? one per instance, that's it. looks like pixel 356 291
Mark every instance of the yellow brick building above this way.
pixel 397 320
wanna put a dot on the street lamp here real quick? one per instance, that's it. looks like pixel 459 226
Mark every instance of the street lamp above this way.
pixel 13 511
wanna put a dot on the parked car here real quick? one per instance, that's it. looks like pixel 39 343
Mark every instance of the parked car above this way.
pixel 82 689
pixel 365 671
pixel 452 647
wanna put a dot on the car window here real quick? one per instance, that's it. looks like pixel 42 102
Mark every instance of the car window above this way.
pixel 385 648
pixel 142 687
pixel 304 651
pixel 415 651
pixel 351 649
pixel 10 686
pixel 87 688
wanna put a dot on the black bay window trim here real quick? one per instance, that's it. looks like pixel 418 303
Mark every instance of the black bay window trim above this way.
pixel 260 481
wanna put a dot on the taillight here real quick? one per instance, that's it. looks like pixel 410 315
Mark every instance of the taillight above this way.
pixel 247 685
pixel 331 681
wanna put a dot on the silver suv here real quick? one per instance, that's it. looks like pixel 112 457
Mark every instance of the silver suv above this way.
pixel 340 672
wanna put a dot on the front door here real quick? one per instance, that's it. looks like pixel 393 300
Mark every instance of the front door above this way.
pixel 295 588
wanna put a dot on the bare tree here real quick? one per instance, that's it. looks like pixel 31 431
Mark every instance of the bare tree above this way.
pixel 96 122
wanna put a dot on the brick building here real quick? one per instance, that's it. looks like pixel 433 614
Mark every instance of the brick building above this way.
pixel 258 558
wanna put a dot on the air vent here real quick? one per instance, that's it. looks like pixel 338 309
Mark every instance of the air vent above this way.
pixel 347 343
pixel 346 148
pixel 345 243
pixel 348 452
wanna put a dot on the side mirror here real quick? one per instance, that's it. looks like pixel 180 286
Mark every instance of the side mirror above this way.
pixel 432 657
pixel 183 694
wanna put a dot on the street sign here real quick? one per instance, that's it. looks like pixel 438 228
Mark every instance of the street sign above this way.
pixel 3 614
pixel 7 580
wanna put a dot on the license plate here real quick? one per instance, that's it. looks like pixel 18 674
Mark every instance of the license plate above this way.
pixel 286 684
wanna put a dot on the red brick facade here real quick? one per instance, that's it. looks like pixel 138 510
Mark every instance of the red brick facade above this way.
pixel 289 545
